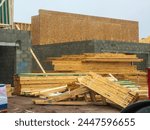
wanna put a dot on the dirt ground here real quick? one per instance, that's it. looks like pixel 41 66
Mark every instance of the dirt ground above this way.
pixel 19 104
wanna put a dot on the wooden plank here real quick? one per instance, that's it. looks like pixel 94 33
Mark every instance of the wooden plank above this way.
pixel 69 94
pixel 67 103
pixel 43 92
pixel 48 74
pixel 112 60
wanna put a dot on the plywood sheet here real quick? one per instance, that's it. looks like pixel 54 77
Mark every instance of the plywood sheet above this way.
pixel 58 27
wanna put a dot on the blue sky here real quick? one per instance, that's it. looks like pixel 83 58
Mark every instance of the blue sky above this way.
pixel 138 10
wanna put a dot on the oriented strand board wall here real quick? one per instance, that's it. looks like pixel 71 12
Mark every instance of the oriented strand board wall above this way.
pixel 57 27
pixel 35 29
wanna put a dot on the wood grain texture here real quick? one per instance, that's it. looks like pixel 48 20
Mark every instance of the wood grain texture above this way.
pixel 102 63
pixel 108 89
pixel 58 27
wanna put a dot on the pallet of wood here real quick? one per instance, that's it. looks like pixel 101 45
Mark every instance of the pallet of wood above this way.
pixel 34 83
pixel 89 87
pixel 51 27
pixel 102 63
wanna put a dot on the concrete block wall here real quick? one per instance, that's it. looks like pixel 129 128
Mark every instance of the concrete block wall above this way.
pixel 54 50
pixel 16 59
pixel 7 63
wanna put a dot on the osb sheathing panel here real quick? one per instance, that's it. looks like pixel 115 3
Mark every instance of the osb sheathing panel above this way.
pixel 56 27
pixel 35 29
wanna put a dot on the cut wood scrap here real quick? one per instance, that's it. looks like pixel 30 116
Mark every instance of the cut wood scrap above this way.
pixel 108 89
pixel 53 90
pixel 69 94
pixel 113 78
pixel 44 92
pixel 66 103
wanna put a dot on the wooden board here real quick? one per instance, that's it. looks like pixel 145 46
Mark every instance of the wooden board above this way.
pixel 67 103
pixel 59 27
pixel 69 94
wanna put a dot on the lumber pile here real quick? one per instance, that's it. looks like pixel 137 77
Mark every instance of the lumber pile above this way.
pixel 120 65
pixel 51 27
pixel 33 84
pixel 102 63
pixel 141 80
pixel 145 40
pixel 94 85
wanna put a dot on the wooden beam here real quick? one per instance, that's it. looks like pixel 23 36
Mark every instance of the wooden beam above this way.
pixel 69 94
pixel 66 103
pixel 36 59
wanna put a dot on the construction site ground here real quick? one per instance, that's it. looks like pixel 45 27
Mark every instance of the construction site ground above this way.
pixel 20 104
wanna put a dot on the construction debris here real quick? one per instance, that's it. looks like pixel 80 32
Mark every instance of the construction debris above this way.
pixel 94 84
pixel 76 86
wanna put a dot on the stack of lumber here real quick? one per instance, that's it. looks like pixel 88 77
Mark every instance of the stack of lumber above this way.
pixel 141 80
pixel 145 40
pixel 22 26
pixel 35 83
pixel 128 84
pixel 102 63
pixel 94 84
pixel 51 27
pixel 120 65
pixel 137 83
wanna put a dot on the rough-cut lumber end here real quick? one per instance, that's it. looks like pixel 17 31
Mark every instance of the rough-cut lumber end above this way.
pixel 108 89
